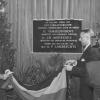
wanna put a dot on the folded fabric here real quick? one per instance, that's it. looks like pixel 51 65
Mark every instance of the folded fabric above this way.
pixel 55 91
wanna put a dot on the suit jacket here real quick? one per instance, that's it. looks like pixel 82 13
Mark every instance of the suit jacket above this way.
pixel 81 70
pixel 90 54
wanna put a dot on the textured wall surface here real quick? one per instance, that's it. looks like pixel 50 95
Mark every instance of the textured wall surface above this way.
pixel 21 14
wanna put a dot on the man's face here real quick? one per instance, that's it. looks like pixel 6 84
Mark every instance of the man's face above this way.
pixel 84 39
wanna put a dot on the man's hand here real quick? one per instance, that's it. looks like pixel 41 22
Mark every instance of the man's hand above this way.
pixel 69 64
pixel 69 68
pixel 7 73
pixel 5 76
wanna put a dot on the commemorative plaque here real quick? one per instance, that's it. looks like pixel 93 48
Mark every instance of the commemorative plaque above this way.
pixel 57 36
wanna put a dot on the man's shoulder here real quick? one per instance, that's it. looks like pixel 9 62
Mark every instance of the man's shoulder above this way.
pixel 95 53
pixel 91 54
pixel 95 49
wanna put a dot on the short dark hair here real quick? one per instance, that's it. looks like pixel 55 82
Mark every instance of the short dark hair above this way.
pixel 90 31
pixel 85 30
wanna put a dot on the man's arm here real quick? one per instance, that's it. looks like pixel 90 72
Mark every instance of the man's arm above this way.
pixel 79 70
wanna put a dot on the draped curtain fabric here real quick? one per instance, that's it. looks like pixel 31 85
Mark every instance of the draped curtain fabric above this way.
pixel 21 14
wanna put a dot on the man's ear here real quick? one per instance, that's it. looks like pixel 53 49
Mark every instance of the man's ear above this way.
pixel 91 33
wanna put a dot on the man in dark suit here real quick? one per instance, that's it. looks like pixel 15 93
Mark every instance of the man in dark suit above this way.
pixel 89 54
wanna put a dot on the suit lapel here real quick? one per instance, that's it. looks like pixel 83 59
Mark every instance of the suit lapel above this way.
pixel 86 53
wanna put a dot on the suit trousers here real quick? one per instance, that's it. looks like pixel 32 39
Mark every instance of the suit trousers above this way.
pixel 86 92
